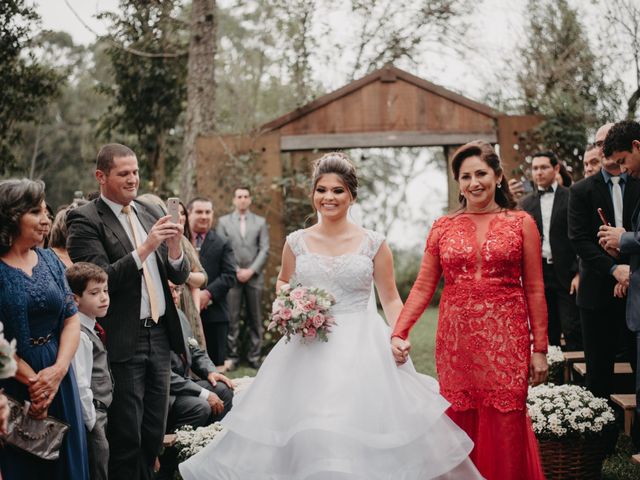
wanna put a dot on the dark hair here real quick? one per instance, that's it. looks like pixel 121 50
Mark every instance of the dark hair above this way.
pixel 484 150
pixel 80 274
pixel 187 228
pixel 242 187
pixel 553 159
pixel 339 164
pixel 17 197
pixel 199 199
pixel 58 234
pixel 621 136
pixel 567 179
pixel 106 155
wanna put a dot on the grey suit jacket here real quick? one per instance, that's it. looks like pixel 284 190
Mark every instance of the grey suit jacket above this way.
pixel 252 250
pixel 630 245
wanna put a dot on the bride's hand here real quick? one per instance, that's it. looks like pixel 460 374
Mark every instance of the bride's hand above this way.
pixel 400 349
pixel 538 368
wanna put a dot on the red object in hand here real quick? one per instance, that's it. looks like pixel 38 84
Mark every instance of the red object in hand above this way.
pixel 603 218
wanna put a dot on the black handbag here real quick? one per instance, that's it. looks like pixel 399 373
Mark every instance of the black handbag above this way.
pixel 40 437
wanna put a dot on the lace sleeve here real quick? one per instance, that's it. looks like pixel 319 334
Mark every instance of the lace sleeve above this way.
pixel 424 286
pixel 372 244
pixel 533 283
pixel 294 241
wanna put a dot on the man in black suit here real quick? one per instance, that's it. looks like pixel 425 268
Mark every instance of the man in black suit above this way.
pixel 602 314
pixel 140 250
pixel 548 206
pixel 218 260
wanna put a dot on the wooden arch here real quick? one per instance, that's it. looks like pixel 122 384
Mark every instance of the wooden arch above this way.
pixel 388 108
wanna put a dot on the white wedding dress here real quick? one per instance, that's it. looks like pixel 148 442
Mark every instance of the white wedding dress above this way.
pixel 340 410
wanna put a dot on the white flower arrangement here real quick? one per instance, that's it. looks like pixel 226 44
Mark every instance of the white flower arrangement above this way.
pixel 8 365
pixel 190 441
pixel 554 355
pixel 567 411
pixel 555 360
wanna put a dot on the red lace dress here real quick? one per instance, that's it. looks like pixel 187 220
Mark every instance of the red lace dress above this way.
pixel 493 299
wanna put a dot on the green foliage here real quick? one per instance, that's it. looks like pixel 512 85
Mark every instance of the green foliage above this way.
pixel 26 83
pixel 148 63
pixel 563 80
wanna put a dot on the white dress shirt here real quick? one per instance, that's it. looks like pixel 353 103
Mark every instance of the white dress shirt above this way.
pixel 546 207
pixel 83 366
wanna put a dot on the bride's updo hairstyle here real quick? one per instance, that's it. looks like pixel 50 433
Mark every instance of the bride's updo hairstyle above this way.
pixel 339 164
pixel 484 150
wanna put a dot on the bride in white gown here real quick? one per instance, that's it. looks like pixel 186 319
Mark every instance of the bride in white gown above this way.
pixel 340 410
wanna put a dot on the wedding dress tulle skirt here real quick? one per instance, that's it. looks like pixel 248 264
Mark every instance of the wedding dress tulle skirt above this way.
pixel 336 411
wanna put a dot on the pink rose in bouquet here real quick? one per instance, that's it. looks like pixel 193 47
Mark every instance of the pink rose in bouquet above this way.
pixel 302 311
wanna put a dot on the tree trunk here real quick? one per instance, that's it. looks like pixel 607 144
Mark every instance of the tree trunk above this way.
pixel 201 88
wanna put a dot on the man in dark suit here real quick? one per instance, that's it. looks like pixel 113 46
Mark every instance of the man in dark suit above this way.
pixel 622 145
pixel 602 314
pixel 249 237
pixel 195 402
pixel 548 206
pixel 140 250
pixel 218 260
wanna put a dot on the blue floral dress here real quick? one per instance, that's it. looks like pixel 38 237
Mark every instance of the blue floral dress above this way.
pixel 33 307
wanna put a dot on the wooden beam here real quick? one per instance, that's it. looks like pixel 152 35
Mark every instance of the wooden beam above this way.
pixel 380 139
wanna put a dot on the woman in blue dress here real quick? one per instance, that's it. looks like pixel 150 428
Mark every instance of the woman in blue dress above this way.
pixel 37 309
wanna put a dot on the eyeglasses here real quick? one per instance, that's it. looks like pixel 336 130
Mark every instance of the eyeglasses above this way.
pixel 175 289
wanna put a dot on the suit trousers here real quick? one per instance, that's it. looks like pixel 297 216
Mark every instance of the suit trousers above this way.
pixel 561 310
pixel 215 333
pixel 194 411
pixel 252 296
pixel 602 329
pixel 98 447
pixel 138 413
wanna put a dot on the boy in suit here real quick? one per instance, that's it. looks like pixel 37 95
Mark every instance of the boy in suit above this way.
pixel 88 283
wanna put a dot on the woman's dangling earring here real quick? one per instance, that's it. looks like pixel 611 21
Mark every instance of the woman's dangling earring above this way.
pixel 499 185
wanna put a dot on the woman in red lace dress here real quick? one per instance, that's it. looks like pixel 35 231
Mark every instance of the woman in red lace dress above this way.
pixel 493 300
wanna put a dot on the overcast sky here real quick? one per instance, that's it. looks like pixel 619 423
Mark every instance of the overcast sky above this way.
pixel 496 32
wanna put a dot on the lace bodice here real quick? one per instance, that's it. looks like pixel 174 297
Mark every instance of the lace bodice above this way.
pixel 347 277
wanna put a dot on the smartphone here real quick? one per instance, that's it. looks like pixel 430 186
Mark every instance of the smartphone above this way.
pixel 603 218
pixel 173 208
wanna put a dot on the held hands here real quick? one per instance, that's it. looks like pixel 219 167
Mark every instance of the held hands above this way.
pixel 400 349
pixel 538 368
pixel 621 274
pixel 609 238
pixel 217 405
pixel 43 388
pixel 215 377
pixel 620 290
pixel 244 274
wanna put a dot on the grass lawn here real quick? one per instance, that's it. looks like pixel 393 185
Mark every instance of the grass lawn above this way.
pixel 422 352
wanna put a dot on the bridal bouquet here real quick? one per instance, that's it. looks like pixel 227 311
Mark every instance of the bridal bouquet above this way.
pixel 303 311
pixel 190 441
pixel 8 364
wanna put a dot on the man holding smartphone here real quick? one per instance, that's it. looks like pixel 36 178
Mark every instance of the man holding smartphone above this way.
pixel 602 314
pixel 622 145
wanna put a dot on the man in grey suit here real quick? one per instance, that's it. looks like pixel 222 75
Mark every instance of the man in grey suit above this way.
pixel 622 145
pixel 249 237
